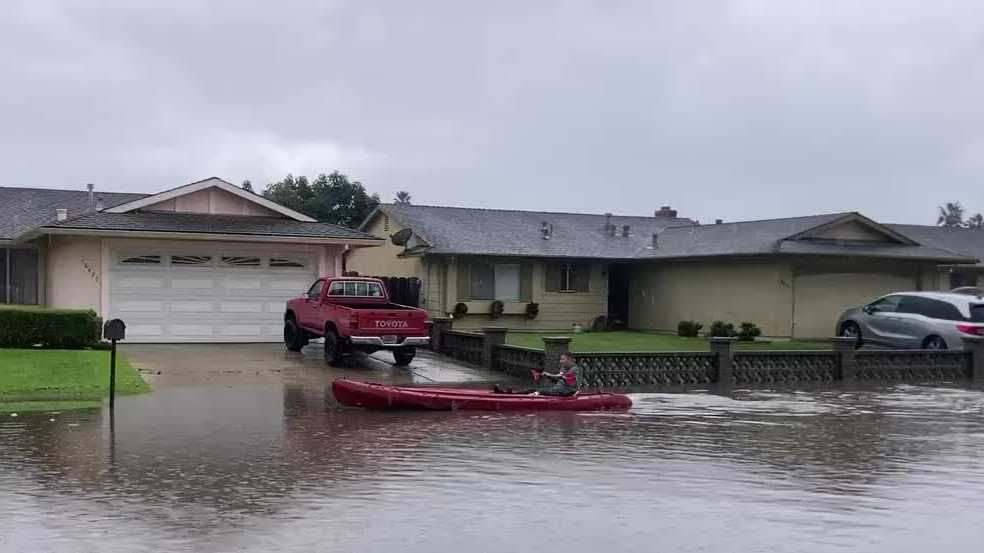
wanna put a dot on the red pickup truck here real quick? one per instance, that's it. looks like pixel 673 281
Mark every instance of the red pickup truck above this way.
pixel 354 314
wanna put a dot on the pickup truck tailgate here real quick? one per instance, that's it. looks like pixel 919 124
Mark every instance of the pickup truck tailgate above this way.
pixel 392 321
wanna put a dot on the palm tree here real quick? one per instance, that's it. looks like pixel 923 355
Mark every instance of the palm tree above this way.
pixel 402 197
pixel 976 221
pixel 951 215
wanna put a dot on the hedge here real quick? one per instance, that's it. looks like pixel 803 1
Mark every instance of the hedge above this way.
pixel 27 326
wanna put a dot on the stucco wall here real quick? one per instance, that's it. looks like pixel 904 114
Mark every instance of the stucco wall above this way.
pixel 662 295
pixel 558 310
pixel 797 297
pixel 73 272
pixel 384 260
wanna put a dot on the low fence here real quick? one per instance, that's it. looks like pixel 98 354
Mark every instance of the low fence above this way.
pixel 517 361
pixel 722 365
pixel 463 346
pixel 625 370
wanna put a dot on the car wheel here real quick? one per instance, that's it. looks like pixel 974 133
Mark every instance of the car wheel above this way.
pixel 294 337
pixel 934 342
pixel 333 348
pixel 404 356
pixel 850 329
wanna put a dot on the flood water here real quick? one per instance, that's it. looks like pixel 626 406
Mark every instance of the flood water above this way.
pixel 278 468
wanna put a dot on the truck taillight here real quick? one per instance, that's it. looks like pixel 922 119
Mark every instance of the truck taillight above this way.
pixel 354 321
pixel 973 330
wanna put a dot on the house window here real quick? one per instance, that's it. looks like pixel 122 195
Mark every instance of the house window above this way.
pixel 482 281
pixel 568 277
pixel 141 260
pixel 191 259
pixel 494 281
pixel 240 261
pixel 284 262
pixel 507 282
pixel 19 276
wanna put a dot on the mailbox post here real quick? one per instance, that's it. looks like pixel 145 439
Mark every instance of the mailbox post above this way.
pixel 113 330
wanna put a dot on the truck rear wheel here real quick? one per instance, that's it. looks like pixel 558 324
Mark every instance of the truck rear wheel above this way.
pixel 404 356
pixel 333 348
pixel 294 337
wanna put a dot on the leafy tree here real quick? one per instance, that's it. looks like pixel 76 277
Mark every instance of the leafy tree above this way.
pixel 975 221
pixel 951 215
pixel 247 186
pixel 328 198
pixel 402 197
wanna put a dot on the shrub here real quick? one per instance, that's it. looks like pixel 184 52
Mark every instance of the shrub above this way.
pixel 25 326
pixel 748 332
pixel 496 308
pixel 532 310
pixel 460 310
pixel 721 329
pixel 689 329
pixel 599 324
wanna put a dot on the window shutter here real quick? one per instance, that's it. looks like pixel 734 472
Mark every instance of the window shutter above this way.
pixel 464 280
pixel 553 277
pixel 526 282
pixel 582 277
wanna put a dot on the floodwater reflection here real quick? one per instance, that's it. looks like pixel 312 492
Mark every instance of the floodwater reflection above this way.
pixel 281 468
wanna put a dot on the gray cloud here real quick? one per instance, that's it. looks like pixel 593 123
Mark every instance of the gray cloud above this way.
pixel 728 109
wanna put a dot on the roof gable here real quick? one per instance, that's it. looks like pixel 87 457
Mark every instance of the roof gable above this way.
pixel 853 227
pixel 160 201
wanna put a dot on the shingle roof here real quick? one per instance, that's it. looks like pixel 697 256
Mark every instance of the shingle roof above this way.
pixel 770 237
pixel 739 238
pixel 451 230
pixel 967 242
pixel 22 209
pixel 148 221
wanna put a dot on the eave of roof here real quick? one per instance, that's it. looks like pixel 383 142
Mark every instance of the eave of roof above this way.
pixel 203 225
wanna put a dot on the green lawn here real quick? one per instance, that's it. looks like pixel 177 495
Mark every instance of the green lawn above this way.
pixel 38 377
pixel 646 341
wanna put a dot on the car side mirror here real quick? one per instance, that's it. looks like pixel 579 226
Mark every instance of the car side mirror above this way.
pixel 869 309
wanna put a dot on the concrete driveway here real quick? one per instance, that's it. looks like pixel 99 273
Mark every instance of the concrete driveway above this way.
pixel 258 364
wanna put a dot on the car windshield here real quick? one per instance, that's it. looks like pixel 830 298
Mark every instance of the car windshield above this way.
pixel 977 313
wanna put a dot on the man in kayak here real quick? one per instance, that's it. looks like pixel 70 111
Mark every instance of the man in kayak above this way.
pixel 563 382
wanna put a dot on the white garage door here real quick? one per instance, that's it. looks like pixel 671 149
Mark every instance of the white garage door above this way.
pixel 819 300
pixel 198 295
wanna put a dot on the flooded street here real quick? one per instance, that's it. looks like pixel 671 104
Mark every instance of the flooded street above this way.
pixel 272 464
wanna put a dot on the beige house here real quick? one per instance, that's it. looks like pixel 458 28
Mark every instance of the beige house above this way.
pixel 204 262
pixel 792 277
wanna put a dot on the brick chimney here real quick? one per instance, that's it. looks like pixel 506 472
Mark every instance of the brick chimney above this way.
pixel 666 211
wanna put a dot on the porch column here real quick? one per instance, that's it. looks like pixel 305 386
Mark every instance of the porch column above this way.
pixel 723 349
pixel 494 336
pixel 553 348
pixel 975 346
pixel 844 348
pixel 439 325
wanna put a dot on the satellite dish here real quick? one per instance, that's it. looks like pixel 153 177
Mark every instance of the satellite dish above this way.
pixel 401 238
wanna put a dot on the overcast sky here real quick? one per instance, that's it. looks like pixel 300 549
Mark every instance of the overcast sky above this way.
pixel 737 110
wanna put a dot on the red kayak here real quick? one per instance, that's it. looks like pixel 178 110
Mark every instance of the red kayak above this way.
pixel 380 396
